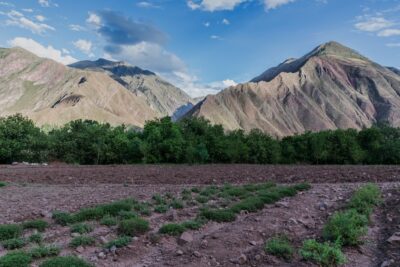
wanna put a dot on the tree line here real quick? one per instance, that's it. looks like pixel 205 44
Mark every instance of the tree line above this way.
pixel 192 141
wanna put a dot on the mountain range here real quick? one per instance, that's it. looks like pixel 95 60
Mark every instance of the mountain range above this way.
pixel 331 87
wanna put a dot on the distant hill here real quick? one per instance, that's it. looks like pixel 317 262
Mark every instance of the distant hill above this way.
pixel 331 87
pixel 51 93
pixel 164 98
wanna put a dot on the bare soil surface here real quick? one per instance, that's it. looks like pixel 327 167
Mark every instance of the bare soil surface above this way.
pixel 34 192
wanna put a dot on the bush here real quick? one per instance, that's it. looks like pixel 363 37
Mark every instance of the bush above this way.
pixel 36 238
pixel 119 242
pixel 346 227
pixel 115 208
pixel 365 199
pixel 89 214
pixel 43 252
pixel 15 259
pixel 133 227
pixel 302 187
pixel 172 229
pixel 323 254
pixel 202 199
pixel 251 204
pixel 280 247
pixel 161 208
pixel 81 228
pixel 108 221
pixel 65 262
pixel 82 241
pixel 39 225
pixel 159 200
pixel 143 208
pixel 62 218
pixel 219 215
pixel 9 231
pixel 14 243
pixel 125 215
pixel 3 184
pixel 177 204
pixel 193 225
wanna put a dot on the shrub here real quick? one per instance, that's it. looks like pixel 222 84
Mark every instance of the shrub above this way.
pixel 365 198
pixel 43 252
pixel 9 231
pixel 286 191
pixel 82 241
pixel 251 204
pixel 108 221
pixel 269 197
pixel 172 229
pixel 193 225
pixel 39 225
pixel 177 204
pixel 65 262
pixel 115 208
pixel 62 218
pixel 323 254
pixel 81 228
pixel 3 184
pixel 280 247
pixel 15 259
pixel 195 190
pixel 222 215
pixel 88 214
pixel 119 242
pixel 14 243
pixel 346 227
pixel 202 199
pixel 161 208
pixel 133 227
pixel 143 208
pixel 36 238
pixel 125 215
pixel 159 200
pixel 209 191
pixel 302 187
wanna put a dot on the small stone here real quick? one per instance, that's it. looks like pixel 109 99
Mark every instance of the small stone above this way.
pixel 204 244
pixel 395 238
pixel 253 243
pixel 94 259
pixel 75 234
pixel 257 257
pixel 185 238
pixel 113 249
pixel 80 249
pixel 197 254
pixel 387 263
pixel 179 253
pixel 103 240
pixel 102 255
pixel 172 215
pixel 242 259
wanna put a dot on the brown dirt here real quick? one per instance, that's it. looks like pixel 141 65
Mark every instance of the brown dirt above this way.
pixel 35 191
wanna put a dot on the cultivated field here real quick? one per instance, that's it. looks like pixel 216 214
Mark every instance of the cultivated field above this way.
pixel 210 215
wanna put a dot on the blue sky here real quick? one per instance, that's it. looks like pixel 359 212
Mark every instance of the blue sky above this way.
pixel 200 45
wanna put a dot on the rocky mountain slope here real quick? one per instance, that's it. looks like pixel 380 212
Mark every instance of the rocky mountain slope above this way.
pixel 163 97
pixel 51 93
pixel 331 87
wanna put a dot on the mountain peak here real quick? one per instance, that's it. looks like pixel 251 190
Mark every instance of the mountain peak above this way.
pixel 333 48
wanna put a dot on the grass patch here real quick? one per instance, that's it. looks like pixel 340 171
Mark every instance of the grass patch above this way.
pixel 3 184
pixel 193 225
pixel 82 241
pixel 108 221
pixel 161 208
pixel 222 215
pixel 346 227
pixel 202 199
pixel 280 247
pixel 323 254
pixel 62 218
pixel 81 228
pixel 119 242
pixel 365 199
pixel 159 200
pixel 133 227
pixel 250 204
pixel 10 231
pixel 126 215
pixel 142 208
pixel 65 262
pixel 172 229
pixel 14 243
pixel 44 251
pixel 39 225
pixel 36 238
pixel 15 259
pixel 176 204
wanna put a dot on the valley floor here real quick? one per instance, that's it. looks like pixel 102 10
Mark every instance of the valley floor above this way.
pixel 34 192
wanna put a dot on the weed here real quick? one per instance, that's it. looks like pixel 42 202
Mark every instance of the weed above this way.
pixel 39 225
pixel 9 231
pixel 159 200
pixel 195 190
pixel 44 251
pixel 14 243
pixel 3 184
pixel 133 227
pixel 222 215
pixel 108 221
pixel 62 218
pixel 280 247
pixel 161 208
pixel 65 262
pixel 82 241
pixel 251 204
pixel 202 199
pixel 323 254
pixel 125 215
pixel 36 238
pixel 172 229
pixel 81 228
pixel 365 199
pixel 15 259
pixel 177 204
pixel 119 242
pixel 193 225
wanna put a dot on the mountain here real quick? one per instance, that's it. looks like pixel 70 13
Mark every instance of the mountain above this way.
pixel 331 87
pixel 397 71
pixel 53 94
pixel 163 97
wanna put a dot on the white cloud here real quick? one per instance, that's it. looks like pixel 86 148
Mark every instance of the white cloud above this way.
pixel 94 20
pixel 44 3
pixel 216 37
pixel 373 24
pixel 28 10
pixel 272 4
pixel 6 4
pixel 146 4
pixel 16 18
pixel 215 5
pixel 84 46
pixel 393 45
pixel 40 18
pixel 76 28
pixel 207 24
pixel 226 22
pixel 42 51
pixel 389 32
